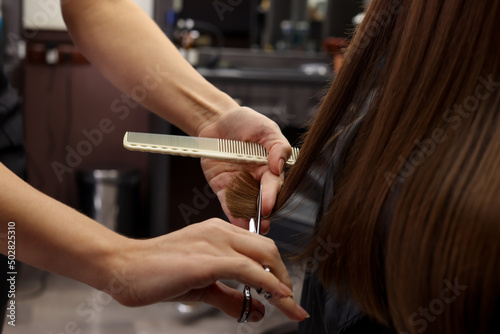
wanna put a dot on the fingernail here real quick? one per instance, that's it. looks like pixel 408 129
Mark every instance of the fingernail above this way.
pixel 286 291
pixel 281 165
pixel 302 312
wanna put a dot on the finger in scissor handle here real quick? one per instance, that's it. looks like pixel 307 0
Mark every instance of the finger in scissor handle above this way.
pixel 261 291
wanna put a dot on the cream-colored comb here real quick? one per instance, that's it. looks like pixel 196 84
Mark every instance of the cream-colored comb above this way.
pixel 197 147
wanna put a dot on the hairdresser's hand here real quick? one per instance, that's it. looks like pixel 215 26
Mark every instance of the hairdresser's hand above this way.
pixel 186 265
pixel 246 124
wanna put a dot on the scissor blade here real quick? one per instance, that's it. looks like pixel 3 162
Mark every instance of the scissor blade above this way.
pixel 252 227
pixel 259 209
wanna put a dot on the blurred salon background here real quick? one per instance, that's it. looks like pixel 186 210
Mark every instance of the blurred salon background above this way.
pixel 275 56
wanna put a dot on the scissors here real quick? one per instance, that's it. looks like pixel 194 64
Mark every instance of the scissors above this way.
pixel 247 296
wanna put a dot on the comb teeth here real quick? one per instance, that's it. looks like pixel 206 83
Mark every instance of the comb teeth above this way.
pixel 294 156
pixel 243 148
pixel 251 149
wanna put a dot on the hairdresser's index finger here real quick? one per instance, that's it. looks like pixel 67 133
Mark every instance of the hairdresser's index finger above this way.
pixel 265 253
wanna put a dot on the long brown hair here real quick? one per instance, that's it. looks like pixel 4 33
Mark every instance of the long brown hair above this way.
pixel 416 209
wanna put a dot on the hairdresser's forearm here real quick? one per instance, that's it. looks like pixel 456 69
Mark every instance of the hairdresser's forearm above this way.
pixel 128 47
pixel 54 237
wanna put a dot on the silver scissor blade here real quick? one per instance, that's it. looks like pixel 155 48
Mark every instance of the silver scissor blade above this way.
pixel 259 209
pixel 251 226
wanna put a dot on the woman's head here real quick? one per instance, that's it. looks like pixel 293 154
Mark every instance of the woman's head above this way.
pixel 416 209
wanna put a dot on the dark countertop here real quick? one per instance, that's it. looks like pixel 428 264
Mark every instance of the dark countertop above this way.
pixel 268 75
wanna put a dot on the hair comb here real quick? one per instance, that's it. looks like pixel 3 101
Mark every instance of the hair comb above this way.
pixel 199 147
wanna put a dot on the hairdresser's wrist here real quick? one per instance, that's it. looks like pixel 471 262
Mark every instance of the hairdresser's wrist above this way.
pixel 213 113
pixel 117 270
